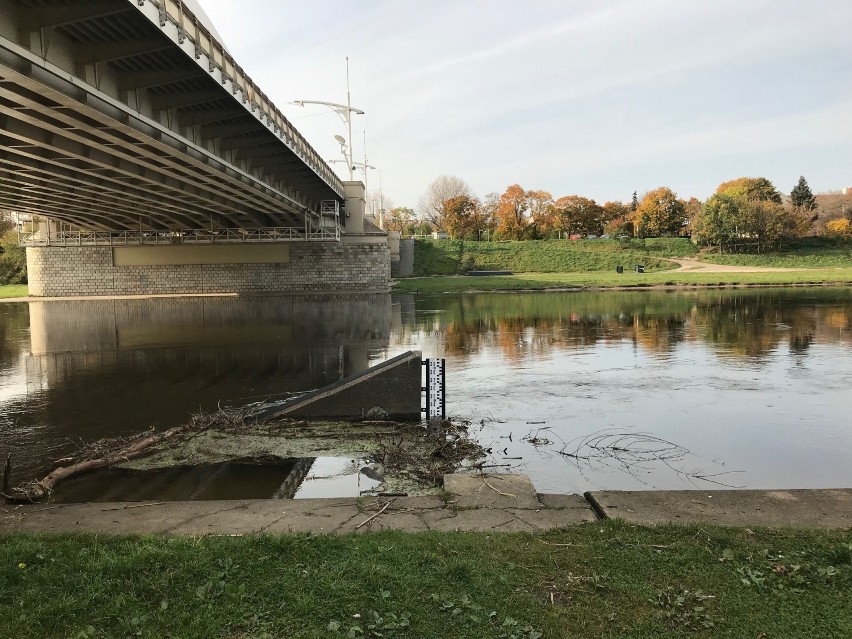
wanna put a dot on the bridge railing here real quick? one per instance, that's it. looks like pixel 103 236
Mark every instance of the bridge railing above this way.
pixel 184 236
pixel 190 28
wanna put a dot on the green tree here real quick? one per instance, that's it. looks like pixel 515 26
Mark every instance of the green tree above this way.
pixel 660 213
pixel 716 223
pixel 634 202
pixel 801 197
pixel 748 213
pixel 13 259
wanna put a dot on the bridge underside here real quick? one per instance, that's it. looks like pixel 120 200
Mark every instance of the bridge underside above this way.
pixel 128 115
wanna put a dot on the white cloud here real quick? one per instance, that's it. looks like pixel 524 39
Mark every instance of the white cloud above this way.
pixel 564 95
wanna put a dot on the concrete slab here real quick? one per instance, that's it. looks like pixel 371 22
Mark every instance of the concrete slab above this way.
pixel 492 491
pixel 831 508
pixel 392 388
pixel 481 520
pixel 501 503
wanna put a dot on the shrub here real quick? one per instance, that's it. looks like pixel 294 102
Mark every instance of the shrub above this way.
pixel 13 260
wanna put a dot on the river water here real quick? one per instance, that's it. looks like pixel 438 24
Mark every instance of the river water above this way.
pixel 620 390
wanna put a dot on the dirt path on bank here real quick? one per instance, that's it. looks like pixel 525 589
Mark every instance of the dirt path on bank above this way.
pixel 694 266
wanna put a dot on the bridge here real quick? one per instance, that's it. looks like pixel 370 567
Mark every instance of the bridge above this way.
pixel 145 160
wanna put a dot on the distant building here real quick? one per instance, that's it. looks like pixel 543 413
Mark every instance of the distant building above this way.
pixel 847 190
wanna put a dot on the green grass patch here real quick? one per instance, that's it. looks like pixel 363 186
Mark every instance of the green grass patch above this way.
pixel 610 279
pixel 815 252
pixel 448 257
pixel 603 580
pixel 13 290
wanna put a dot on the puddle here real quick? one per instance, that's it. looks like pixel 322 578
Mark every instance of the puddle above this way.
pixel 298 478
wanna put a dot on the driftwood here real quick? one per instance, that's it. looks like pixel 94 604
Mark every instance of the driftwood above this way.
pixel 39 490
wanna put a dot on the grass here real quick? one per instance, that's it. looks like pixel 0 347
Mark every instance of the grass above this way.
pixel 609 279
pixel 448 257
pixel 788 259
pixel 603 580
pixel 13 290
pixel 807 252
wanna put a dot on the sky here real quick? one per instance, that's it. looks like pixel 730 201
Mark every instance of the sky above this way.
pixel 598 99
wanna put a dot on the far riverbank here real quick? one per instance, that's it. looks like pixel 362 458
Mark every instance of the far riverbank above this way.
pixel 615 281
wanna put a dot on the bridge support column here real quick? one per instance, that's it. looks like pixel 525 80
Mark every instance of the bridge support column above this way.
pixel 358 264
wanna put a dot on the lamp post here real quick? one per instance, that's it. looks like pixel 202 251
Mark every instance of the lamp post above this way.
pixel 345 112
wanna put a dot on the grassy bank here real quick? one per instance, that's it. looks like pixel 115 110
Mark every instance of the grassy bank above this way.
pixel 811 252
pixel 14 290
pixel 448 257
pixel 601 580
pixel 543 281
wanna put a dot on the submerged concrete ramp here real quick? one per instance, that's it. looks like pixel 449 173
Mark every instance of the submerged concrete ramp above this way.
pixel 829 508
pixel 390 389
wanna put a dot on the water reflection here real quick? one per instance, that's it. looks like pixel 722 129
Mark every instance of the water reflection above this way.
pixel 748 324
pixel 78 371
pixel 757 380
pixel 743 380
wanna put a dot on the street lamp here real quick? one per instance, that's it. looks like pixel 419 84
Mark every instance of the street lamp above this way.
pixel 345 112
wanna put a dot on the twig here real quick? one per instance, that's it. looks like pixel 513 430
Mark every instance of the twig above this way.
pixel 499 492
pixel 125 507
pixel 369 519
pixel 547 543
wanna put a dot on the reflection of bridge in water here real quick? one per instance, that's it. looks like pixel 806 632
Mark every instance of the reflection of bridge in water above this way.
pixel 106 368
pixel 128 123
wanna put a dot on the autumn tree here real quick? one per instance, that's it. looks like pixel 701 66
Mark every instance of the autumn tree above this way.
pixel 579 215
pixel 801 197
pixel 520 212
pixel 660 213
pixel 398 219
pixel 838 228
pixel 616 216
pixel 442 189
pixel 462 217
pixel 693 210
pixel 750 189
pixel 541 213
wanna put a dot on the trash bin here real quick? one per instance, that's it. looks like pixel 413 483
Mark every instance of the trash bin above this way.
pixel 619 269
pixel 640 268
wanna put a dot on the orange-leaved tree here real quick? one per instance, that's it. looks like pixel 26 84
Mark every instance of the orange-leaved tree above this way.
pixel 580 215
pixel 520 213
pixel 462 217
pixel 660 213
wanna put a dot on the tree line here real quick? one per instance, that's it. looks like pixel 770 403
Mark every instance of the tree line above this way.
pixel 745 214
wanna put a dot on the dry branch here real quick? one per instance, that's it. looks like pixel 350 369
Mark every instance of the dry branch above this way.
pixel 109 451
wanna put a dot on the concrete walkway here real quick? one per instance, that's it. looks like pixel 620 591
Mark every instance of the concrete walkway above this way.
pixel 505 503
pixel 770 508
pixel 476 503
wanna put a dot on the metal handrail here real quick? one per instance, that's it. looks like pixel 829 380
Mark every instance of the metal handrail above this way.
pixel 183 236
pixel 190 28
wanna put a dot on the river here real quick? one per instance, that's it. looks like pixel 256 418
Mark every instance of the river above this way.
pixel 592 390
